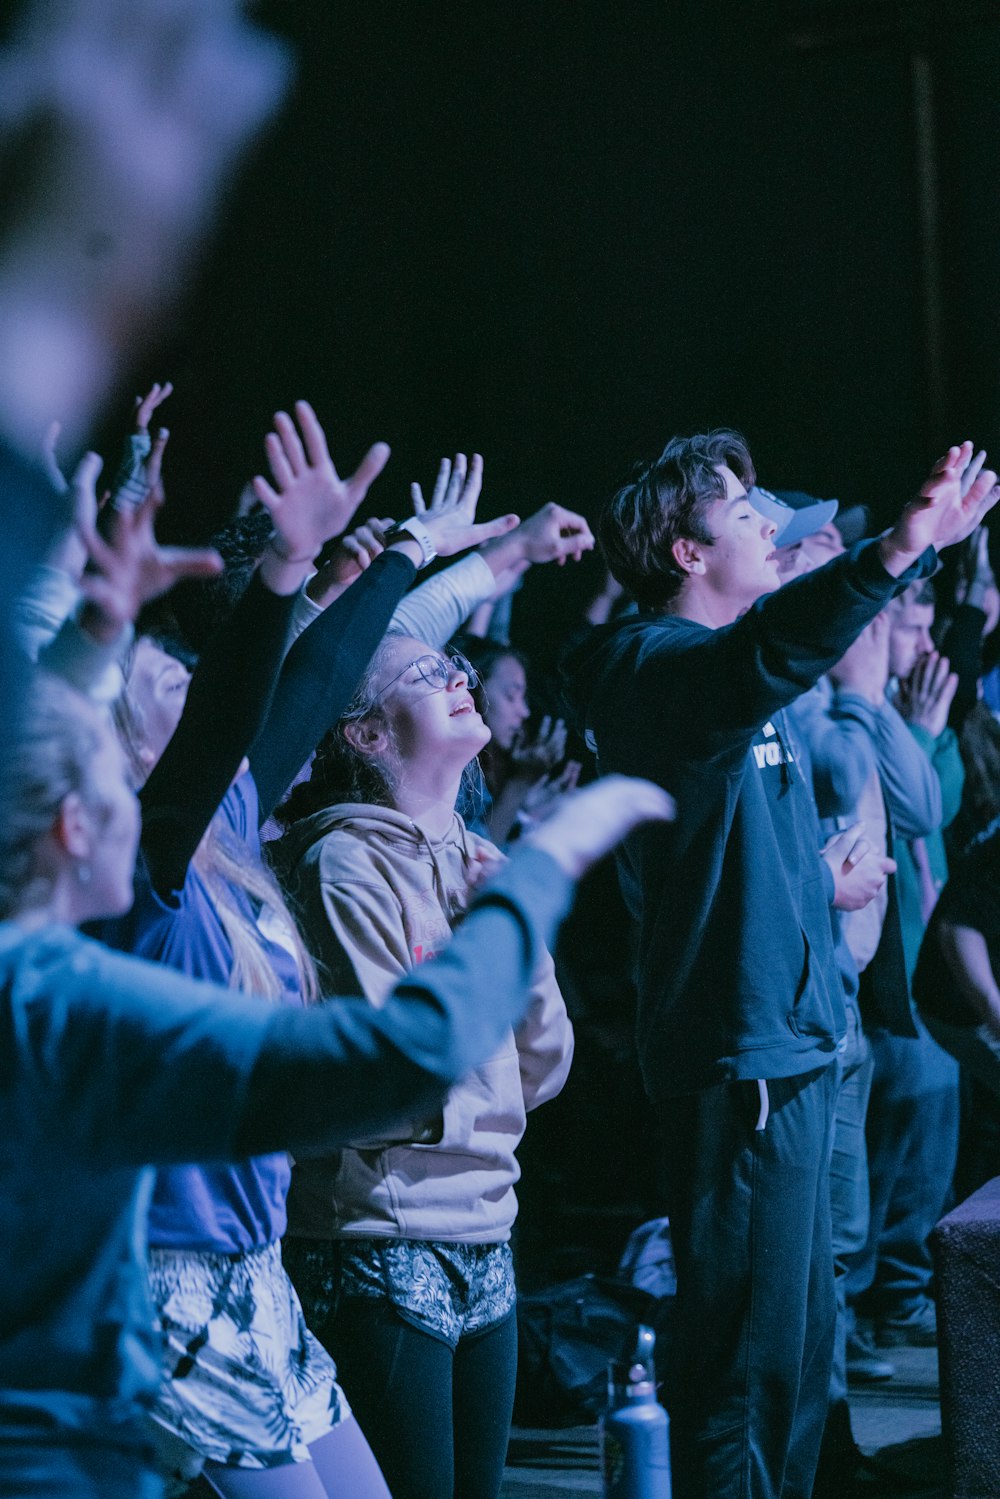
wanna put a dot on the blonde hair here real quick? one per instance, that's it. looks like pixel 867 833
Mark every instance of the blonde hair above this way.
pixel 227 864
pixel 47 760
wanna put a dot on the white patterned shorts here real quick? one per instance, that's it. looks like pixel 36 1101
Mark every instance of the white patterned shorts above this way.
pixel 246 1383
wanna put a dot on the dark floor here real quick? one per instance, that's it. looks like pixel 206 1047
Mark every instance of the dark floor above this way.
pixel 897 1423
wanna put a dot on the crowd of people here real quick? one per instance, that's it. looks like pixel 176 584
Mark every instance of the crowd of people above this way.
pixel 287 834
pixel 279 765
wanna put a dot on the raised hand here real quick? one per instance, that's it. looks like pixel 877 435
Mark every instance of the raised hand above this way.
pixel 455 481
pixel 542 799
pixel 943 512
pixel 309 502
pixel 126 566
pixel 354 554
pixel 926 695
pixel 552 534
pixel 147 404
pixel 450 518
pixel 535 756
pixel 859 872
pixel 975 574
pixel 588 824
pixel 124 118
pixel 68 552
pixel 140 471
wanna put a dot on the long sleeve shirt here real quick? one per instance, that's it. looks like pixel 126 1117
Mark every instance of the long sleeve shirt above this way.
pixel 113 1065
pixel 737 977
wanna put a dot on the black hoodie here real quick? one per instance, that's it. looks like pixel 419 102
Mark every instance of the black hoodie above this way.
pixel 737 977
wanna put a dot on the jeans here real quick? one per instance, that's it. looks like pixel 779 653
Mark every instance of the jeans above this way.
pixel 849 1224
pixel 755 1310
pixel 912 1137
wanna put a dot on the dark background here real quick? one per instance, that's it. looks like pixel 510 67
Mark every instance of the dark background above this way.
pixel 558 233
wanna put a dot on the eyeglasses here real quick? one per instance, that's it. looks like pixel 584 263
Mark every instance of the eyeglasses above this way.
pixel 436 671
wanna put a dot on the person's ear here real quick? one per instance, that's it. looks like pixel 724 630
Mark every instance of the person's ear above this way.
pixel 689 555
pixel 73 828
pixel 365 735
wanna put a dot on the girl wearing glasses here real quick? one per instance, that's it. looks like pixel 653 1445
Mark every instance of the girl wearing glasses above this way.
pixel 399 1247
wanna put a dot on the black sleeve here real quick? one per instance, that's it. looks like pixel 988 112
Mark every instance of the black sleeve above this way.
pixel 227 703
pixel 732 680
pixel 320 673
pixel 963 645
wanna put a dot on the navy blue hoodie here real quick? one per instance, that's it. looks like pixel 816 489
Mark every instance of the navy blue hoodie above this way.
pixel 737 977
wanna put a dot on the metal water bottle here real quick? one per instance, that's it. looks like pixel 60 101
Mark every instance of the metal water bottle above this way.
pixel 635 1444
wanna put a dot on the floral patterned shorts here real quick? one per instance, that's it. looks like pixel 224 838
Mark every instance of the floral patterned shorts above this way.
pixel 246 1383
pixel 448 1290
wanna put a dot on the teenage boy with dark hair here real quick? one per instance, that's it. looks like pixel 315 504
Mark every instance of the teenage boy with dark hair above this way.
pixel 740 1010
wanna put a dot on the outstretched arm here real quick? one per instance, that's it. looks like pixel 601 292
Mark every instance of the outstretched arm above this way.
pixel 371 1068
pixel 125 570
pixel 232 688
pixel 788 639
pixel 327 661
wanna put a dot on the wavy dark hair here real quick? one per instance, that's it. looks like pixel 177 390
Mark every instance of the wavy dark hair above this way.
pixel 340 773
pixel 664 502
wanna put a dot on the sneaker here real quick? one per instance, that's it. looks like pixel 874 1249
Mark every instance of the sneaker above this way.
pixel 865 1365
pixel 914 1329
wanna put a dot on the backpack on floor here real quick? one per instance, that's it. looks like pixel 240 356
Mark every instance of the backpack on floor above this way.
pixel 567 1335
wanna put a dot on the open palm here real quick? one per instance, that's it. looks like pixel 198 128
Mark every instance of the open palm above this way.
pixel 941 514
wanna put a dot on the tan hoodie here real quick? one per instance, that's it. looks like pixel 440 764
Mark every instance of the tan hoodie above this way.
pixel 378 896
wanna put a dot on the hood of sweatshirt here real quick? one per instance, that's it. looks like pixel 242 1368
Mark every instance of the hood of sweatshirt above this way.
pixel 395 840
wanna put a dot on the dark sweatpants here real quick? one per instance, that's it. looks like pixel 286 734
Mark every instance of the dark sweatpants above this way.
pixel 750 1219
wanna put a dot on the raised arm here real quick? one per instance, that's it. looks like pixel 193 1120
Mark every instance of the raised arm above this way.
pixel 788 639
pixel 373 1068
pixel 126 569
pixel 232 688
pixel 327 661
pixel 438 608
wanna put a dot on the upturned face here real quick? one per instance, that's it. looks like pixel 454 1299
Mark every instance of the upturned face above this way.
pixel 741 565
pixel 428 707
pixel 158 687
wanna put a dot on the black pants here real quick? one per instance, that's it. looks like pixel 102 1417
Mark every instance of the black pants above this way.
pixel 436 1420
pixel 750 1219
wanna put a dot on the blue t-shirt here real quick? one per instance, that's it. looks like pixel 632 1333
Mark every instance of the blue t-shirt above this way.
pixel 99 1055
pixel 210 1209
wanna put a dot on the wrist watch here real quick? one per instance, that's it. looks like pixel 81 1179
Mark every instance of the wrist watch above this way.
pixel 413 529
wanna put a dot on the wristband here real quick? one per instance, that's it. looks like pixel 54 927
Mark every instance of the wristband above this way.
pixel 413 530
